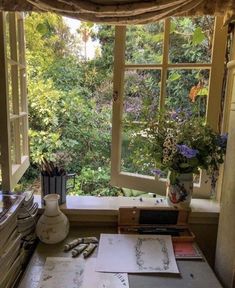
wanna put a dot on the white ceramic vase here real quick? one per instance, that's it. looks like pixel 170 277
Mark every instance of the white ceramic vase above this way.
pixel 180 193
pixel 53 225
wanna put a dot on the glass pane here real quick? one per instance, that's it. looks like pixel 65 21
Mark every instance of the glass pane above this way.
pixel 187 91
pixel 144 43
pixel 141 102
pixel 134 157
pixel 20 38
pixel 22 140
pixel 12 142
pixel 9 81
pixel 13 37
pixel 7 35
pixel 141 94
pixel 22 89
pixel 15 89
pixel 191 39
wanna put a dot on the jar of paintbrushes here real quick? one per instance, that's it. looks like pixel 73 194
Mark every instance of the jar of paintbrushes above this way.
pixel 54 180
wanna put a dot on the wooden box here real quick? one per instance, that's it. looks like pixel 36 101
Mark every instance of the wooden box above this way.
pixel 156 220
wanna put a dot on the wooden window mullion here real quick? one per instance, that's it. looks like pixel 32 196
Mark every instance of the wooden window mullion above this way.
pixel 118 86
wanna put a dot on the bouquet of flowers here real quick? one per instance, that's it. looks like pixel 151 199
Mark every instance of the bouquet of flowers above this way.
pixel 181 144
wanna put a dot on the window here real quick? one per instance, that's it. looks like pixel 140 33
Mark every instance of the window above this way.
pixel 13 100
pixel 155 75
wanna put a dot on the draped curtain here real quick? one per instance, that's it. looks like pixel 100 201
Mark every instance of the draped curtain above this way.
pixel 124 12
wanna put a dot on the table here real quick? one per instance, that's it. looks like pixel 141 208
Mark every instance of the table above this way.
pixel 193 274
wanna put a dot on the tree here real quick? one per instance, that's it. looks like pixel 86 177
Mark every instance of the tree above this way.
pixel 68 122
pixel 70 100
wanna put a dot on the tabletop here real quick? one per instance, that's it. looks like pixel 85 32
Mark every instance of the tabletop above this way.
pixel 193 273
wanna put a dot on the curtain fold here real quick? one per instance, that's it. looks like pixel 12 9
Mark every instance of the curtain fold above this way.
pixel 125 12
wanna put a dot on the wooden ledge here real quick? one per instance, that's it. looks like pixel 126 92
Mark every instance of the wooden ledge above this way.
pixel 87 209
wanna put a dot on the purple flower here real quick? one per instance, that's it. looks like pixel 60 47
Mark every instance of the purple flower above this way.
pixel 159 173
pixel 156 171
pixel 187 151
pixel 174 115
pixel 180 115
pixel 222 140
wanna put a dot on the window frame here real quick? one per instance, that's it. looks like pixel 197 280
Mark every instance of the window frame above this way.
pixel 13 143
pixel 148 183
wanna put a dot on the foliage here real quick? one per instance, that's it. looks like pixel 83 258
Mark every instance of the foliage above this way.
pixel 65 73
pixel 70 95
pixel 95 182
pixel 68 119
pixel 182 144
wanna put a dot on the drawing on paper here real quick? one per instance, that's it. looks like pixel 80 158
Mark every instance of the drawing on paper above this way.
pixel 142 257
pixel 60 272
pixel 127 253
pixel 103 280
pixel 112 280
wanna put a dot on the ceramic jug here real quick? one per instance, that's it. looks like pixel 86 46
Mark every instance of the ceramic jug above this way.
pixel 53 225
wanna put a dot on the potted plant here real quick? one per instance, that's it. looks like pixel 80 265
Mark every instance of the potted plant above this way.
pixel 181 145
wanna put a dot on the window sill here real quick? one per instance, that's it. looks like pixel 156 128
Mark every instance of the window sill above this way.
pixel 91 209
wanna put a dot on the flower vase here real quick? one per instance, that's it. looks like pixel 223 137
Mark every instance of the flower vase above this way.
pixel 179 193
pixel 53 225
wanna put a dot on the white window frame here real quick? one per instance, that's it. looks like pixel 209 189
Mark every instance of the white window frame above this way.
pixel 216 67
pixel 13 142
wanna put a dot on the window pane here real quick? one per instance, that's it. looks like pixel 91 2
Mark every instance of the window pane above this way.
pixel 187 90
pixel 141 94
pixel 7 35
pixel 22 89
pixel 9 82
pixel 141 102
pixel 12 137
pixel 144 43
pixel 134 158
pixel 22 135
pixel 191 39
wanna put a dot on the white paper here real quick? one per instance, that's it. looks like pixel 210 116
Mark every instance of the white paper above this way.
pixel 94 279
pixel 136 254
pixel 61 272
pixel 64 272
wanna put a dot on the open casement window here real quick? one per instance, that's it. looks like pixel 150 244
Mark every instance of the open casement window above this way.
pixel 172 64
pixel 13 100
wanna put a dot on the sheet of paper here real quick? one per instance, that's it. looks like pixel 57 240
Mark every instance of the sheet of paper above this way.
pixel 103 280
pixel 61 272
pixel 136 254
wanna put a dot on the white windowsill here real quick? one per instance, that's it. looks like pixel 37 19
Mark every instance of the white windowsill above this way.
pixel 105 209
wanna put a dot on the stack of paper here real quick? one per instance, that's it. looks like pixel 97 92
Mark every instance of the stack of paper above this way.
pixel 10 239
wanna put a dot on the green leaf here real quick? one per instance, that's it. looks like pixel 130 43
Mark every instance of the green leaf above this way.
pixel 198 36
pixel 184 165
pixel 174 76
pixel 203 91
pixel 42 28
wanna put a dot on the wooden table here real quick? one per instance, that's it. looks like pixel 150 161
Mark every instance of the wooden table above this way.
pixel 193 274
